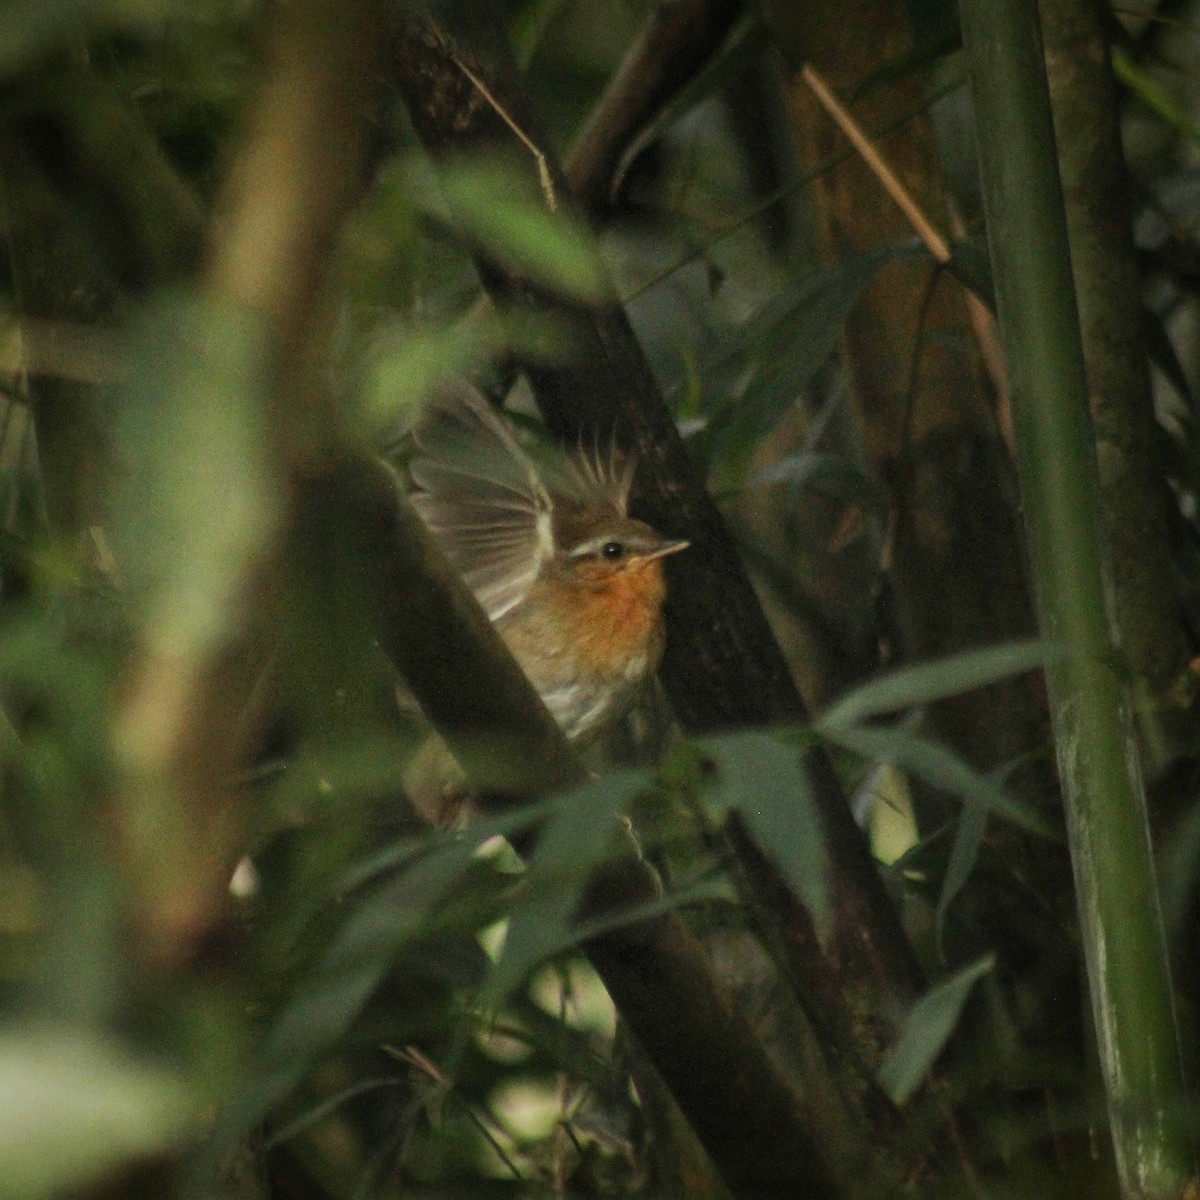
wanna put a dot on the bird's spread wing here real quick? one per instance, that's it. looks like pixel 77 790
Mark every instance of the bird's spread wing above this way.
pixel 480 496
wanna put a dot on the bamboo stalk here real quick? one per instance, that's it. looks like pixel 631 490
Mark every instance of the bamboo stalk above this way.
pixel 1100 774
pixel 1133 491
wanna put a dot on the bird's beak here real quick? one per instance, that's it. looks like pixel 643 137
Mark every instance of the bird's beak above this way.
pixel 668 547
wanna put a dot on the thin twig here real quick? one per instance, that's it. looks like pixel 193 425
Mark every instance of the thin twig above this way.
pixel 934 242
pixel 543 168
pixel 772 198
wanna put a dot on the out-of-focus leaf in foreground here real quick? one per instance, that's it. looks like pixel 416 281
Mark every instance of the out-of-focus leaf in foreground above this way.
pixel 406 366
pixel 496 212
pixel 29 28
pixel 195 497
pixel 76 1105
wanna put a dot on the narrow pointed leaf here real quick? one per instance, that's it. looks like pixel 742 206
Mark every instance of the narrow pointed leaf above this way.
pixel 964 853
pixel 764 779
pixel 578 836
pixel 928 682
pixel 926 1031
pixel 940 768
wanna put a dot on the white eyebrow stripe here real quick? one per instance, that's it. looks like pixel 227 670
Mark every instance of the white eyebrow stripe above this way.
pixel 545 535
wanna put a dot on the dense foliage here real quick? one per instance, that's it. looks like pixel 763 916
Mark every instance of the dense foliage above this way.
pixel 243 243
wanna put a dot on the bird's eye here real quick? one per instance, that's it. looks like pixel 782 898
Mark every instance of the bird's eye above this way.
pixel 612 551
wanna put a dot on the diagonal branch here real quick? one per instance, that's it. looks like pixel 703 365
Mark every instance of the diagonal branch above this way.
pixel 722 667
pixel 746 1113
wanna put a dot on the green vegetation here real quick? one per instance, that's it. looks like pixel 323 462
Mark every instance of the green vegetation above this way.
pixel 889 888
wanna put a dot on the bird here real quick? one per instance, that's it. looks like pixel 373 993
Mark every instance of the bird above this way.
pixel 544 539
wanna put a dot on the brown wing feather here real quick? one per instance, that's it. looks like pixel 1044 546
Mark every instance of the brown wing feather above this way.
pixel 480 496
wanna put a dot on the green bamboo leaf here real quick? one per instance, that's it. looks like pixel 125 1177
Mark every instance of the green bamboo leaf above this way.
pixel 578 835
pixel 964 853
pixel 754 377
pixel 528 25
pixel 940 768
pixel 912 687
pixel 926 1031
pixel 196 496
pixel 494 210
pixel 806 319
pixel 392 918
pixel 77 1105
pixel 764 779
pixel 1153 95
pixel 964 850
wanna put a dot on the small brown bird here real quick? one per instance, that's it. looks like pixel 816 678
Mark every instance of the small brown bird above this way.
pixel 573 583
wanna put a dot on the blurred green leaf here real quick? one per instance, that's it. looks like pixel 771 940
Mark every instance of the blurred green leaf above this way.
pixel 196 497
pixel 493 209
pixel 1153 95
pixel 912 687
pixel 389 919
pixel 764 779
pixel 69 682
pixel 964 849
pixel 30 28
pixel 529 24
pixel 331 782
pixel 76 1104
pixel 407 367
pixel 926 1031
pixel 60 766
pixel 964 853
